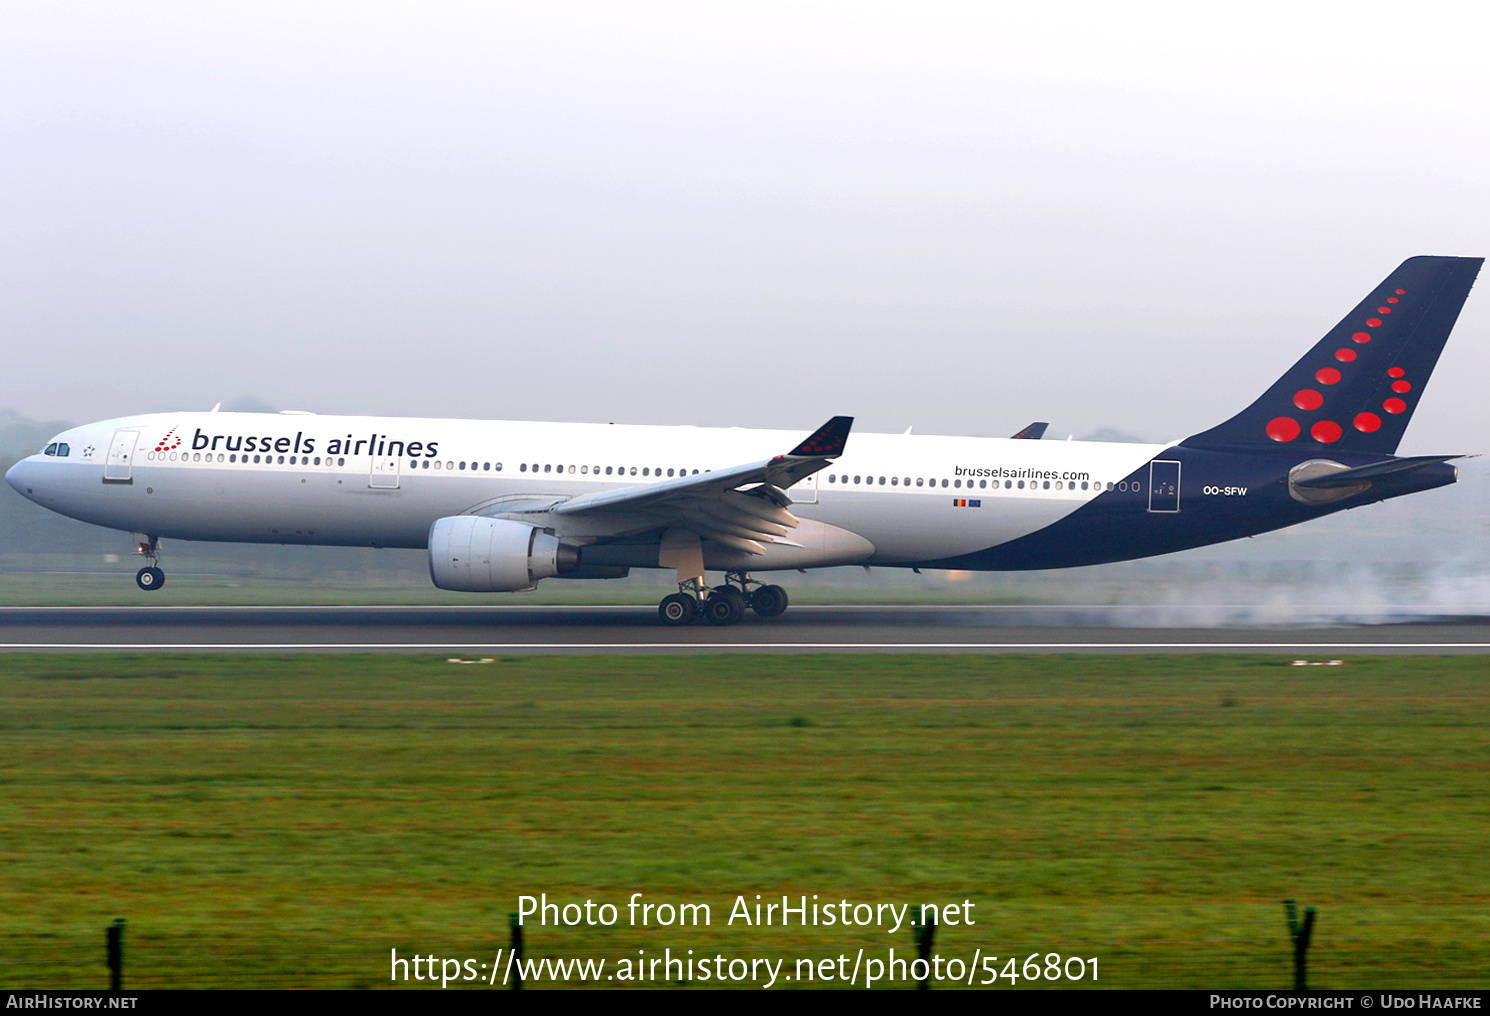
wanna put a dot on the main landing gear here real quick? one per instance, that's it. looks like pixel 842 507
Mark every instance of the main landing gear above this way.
pixel 150 578
pixel 721 605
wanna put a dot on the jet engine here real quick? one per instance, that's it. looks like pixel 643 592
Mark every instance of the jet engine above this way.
pixel 470 554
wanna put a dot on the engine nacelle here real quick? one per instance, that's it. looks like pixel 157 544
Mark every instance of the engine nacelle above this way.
pixel 470 554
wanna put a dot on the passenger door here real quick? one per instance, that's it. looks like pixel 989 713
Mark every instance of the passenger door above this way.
pixel 117 466
pixel 1164 486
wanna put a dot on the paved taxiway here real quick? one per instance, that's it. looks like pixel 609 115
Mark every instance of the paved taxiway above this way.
pixel 514 629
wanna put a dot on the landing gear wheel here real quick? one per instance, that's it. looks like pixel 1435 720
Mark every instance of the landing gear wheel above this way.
pixel 677 610
pixel 725 606
pixel 150 579
pixel 768 601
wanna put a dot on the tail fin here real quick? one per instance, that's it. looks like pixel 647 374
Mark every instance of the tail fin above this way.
pixel 1356 389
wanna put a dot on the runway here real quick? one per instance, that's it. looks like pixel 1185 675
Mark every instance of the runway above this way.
pixel 592 629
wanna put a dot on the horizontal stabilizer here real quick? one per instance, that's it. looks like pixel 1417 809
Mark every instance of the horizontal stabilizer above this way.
pixel 1376 470
pixel 1033 432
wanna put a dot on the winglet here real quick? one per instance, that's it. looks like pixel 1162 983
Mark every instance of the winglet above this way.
pixel 1033 432
pixel 827 441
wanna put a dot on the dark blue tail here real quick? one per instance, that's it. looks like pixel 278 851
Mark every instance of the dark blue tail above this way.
pixel 1357 388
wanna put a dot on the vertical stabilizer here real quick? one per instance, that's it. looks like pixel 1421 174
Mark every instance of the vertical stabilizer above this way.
pixel 1356 390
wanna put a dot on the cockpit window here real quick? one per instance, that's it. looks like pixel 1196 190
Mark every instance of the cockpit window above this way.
pixel 51 449
pixel 62 449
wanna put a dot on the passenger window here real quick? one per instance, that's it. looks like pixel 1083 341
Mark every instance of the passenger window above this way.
pixel 341 461
pixel 499 467
pixel 548 468
pixel 522 467
pixel 982 484
pixel 957 483
pixel 1009 484
pixel 944 483
pixel 830 478
pixel 645 470
pixel 607 470
pixel 1047 484
pixel 669 472
pixel 894 481
pixel 858 479
pixel 920 481
pixel 318 460
pixel 633 470
pixel 1058 485
pixel 1021 484
pixel 463 466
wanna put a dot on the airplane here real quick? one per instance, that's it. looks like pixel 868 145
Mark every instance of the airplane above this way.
pixel 500 506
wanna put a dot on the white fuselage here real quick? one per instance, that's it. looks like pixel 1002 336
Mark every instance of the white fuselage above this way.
pixel 382 482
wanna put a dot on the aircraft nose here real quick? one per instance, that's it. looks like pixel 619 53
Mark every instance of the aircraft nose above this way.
pixel 15 476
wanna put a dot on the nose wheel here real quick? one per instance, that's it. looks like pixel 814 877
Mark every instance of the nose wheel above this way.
pixel 150 578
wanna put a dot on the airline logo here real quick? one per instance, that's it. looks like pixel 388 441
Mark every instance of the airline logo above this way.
pixel 170 442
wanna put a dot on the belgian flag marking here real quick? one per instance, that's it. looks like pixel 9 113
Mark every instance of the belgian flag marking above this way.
pixel 963 502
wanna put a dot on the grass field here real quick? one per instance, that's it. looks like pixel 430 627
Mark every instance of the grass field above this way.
pixel 286 821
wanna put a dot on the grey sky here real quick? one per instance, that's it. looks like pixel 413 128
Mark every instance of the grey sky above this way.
pixel 962 218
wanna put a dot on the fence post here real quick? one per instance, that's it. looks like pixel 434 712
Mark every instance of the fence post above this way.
pixel 924 935
pixel 516 924
pixel 1300 933
pixel 114 936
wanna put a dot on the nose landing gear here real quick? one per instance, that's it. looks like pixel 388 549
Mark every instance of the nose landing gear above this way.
pixel 721 605
pixel 150 578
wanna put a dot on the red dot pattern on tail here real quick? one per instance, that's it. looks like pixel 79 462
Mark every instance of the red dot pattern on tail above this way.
pixel 1286 428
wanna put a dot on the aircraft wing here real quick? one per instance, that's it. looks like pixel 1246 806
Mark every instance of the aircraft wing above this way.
pixel 713 505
